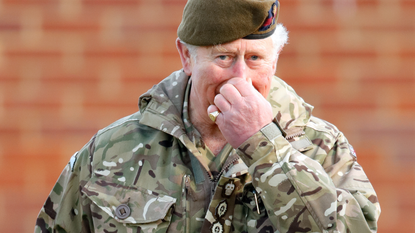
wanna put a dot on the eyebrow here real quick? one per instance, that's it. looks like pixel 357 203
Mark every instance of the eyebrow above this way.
pixel 222 49
pixel 219 48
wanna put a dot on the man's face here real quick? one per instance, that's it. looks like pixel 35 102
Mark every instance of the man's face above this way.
pixel 215 65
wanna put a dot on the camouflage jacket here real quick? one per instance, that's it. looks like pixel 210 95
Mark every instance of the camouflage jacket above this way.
pixel 144 174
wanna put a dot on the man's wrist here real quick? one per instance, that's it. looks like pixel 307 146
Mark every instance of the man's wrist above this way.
pixel 250 149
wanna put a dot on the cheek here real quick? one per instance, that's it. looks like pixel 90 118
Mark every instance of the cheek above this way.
pixel 263 89
pixel 216 78
pixel 266 91
pixel 263 84
pixel 208 85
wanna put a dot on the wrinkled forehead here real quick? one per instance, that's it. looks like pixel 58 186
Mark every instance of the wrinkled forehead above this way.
pixel 243 45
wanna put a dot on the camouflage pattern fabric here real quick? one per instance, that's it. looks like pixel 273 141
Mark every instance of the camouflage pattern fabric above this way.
pixel 144 174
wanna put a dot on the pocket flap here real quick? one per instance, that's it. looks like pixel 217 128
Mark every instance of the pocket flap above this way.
pixel 145 206
pixel 302 145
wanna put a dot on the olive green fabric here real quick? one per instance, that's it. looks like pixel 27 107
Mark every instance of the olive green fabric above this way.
pixel 215 22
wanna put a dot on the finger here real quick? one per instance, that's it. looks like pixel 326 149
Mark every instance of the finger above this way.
pixel 244 87
pixel 230 93
pixel 221 103
pixel 212 108
pixel 213 113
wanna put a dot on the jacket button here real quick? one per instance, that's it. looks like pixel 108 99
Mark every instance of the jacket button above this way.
pixel 122 211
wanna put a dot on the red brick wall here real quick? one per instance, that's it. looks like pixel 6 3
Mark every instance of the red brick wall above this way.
pixel 69 68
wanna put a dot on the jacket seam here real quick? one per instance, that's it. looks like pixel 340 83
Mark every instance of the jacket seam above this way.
pixel 115 126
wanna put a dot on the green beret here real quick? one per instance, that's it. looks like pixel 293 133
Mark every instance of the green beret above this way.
pixel 212 22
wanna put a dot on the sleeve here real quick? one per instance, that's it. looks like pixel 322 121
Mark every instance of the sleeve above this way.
pixel 65 209
pixel 302 194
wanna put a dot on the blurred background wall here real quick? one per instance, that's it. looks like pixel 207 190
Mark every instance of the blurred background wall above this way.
pixel 71 67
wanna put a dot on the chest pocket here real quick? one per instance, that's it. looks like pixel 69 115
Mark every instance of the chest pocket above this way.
pixel 117 207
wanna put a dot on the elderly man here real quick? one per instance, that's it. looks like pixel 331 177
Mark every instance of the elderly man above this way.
pixel 220 146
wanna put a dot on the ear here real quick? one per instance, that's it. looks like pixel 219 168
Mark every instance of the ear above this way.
pixel 184 57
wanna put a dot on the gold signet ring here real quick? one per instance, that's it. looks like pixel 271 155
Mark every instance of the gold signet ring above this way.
pixel 213 115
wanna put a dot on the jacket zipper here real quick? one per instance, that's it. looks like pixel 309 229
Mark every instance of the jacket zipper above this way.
pixel 216 179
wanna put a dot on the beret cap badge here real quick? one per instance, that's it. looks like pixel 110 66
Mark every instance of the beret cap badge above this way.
pixel 212 22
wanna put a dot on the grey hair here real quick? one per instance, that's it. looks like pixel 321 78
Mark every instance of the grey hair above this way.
pixel 192 49
pixel 279 40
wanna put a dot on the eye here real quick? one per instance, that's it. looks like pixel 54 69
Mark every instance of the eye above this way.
pixel 223 57
pixel 254 57
pixel 224 60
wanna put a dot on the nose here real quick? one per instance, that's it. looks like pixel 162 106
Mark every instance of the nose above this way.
pixel 240 69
